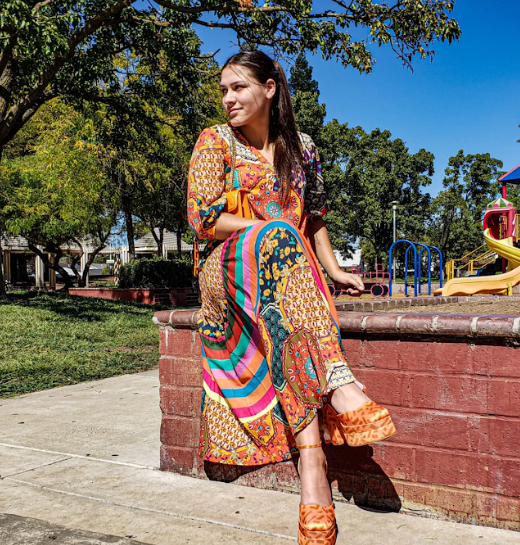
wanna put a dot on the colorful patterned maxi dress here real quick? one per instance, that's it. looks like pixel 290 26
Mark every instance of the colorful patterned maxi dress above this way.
pixel 270 338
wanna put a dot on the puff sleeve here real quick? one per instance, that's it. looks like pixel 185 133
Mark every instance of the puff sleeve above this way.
pixel 207 183
pixel 315 198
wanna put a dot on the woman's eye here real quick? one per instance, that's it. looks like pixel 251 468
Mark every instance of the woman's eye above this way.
pixel 238 87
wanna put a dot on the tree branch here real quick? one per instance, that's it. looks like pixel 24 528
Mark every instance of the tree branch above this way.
pixel 18 110
pixel 41 5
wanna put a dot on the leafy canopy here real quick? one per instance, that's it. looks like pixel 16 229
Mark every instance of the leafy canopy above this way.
pixel 69 48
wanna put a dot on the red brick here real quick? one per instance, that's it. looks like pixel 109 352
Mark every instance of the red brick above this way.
pixel 506 478
pixel 452 503
pixel 495 435
pixel 345 459
pixel 286 476
pixel 351 487
pixel 497 361
pixel 447 468
pixel 180 401
pixel 458 325
pixel 439 357
pixel 353 349
pixel 386 386
pixel 178 342
pixel 486 508
pixel 350 322
pixel 395 461
pixel 449 393
pixel 495 326
pixel 380 354
pixel 481 472
pixel 221 472
pixel 382 494
pixel 257 477
pixel 430 428
pixel 418 324
pixel 503 397
pixel 180 372
pixel 180 431
pixel 381 323
pixel 178 459
pixel 508 513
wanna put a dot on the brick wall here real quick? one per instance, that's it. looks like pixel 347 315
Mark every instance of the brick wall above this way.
pixel 452 383
pixel 158 296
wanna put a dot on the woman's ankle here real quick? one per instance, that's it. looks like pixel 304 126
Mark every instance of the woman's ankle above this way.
pixel 315 488
pixel 348 398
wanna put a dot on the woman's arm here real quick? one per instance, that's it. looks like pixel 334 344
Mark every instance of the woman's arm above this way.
pixel 320 242
pixel 227 224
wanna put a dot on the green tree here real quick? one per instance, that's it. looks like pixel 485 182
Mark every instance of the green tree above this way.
pixel 376 170
pixel 146 155
pixel 363 173
pixel 51 49
pixel 470 183
pixel 55 194
pixel 309 112
pixel 72 49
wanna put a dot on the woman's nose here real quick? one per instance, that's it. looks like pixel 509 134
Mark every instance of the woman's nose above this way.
pixel 228 98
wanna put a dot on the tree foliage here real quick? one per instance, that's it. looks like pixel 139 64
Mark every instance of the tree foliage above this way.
pixel 363 173
pixel 55 195
pixel 470 183
pixel 50 49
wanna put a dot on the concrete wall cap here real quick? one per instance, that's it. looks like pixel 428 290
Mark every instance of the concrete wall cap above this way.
pixel 395 323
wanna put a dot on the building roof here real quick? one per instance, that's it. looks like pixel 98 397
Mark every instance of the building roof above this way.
pixel 170 242
pixel 144 244
pixel 512 177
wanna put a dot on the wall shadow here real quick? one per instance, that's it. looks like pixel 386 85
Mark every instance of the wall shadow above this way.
pixel 361 479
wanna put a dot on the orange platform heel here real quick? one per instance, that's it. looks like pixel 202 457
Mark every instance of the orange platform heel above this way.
pixel 316 523
pixel 367 424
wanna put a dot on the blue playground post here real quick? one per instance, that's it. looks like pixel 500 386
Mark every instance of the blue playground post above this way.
pixel 441 264
pixel 410 245
pixel 419 263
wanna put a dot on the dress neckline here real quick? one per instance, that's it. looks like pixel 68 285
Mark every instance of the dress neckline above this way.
pixel 239 136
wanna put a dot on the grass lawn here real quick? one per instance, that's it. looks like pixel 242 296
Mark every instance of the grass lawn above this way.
pixel 53 339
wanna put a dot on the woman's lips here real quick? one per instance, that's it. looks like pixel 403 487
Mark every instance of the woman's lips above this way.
pixel 233 111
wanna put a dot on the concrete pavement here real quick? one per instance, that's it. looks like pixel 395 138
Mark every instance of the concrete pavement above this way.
pixel 78 465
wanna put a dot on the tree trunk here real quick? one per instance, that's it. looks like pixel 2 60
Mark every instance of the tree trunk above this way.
pixel 54 266
pixel 127 211
pixel 3 293
pixel 179 243
pixel 161 241
pixel 89 262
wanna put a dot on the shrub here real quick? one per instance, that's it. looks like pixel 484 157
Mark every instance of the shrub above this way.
pixel 156 273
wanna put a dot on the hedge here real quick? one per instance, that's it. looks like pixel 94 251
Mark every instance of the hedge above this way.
pixel 156 273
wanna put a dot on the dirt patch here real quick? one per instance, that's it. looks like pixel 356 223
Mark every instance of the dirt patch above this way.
pixel 499 306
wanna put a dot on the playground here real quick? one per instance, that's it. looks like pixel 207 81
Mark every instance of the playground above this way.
pixel 491 269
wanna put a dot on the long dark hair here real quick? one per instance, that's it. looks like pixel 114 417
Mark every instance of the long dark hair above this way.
pixel 282 125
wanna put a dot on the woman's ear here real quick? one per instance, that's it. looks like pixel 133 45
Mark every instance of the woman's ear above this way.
pixel 270 88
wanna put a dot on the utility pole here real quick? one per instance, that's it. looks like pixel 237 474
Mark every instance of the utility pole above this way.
pixel 394 208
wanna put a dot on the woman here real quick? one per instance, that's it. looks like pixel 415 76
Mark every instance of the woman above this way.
pixel 274 366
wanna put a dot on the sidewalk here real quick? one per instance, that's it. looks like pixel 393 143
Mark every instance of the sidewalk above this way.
pixel 78 465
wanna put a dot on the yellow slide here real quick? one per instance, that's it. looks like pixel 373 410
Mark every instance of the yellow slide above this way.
pixel 500 283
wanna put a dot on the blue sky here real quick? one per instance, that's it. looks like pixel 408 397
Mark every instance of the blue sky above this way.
pixel 468 98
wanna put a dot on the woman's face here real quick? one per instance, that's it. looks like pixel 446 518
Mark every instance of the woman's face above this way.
pixel 245 100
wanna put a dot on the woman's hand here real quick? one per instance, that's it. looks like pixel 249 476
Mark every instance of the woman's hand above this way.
pixel 352 282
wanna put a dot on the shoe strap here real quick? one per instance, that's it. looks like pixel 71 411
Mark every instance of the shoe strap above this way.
pixel 300 447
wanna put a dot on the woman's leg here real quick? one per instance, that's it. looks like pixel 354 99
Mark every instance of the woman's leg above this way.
pixel 315 488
